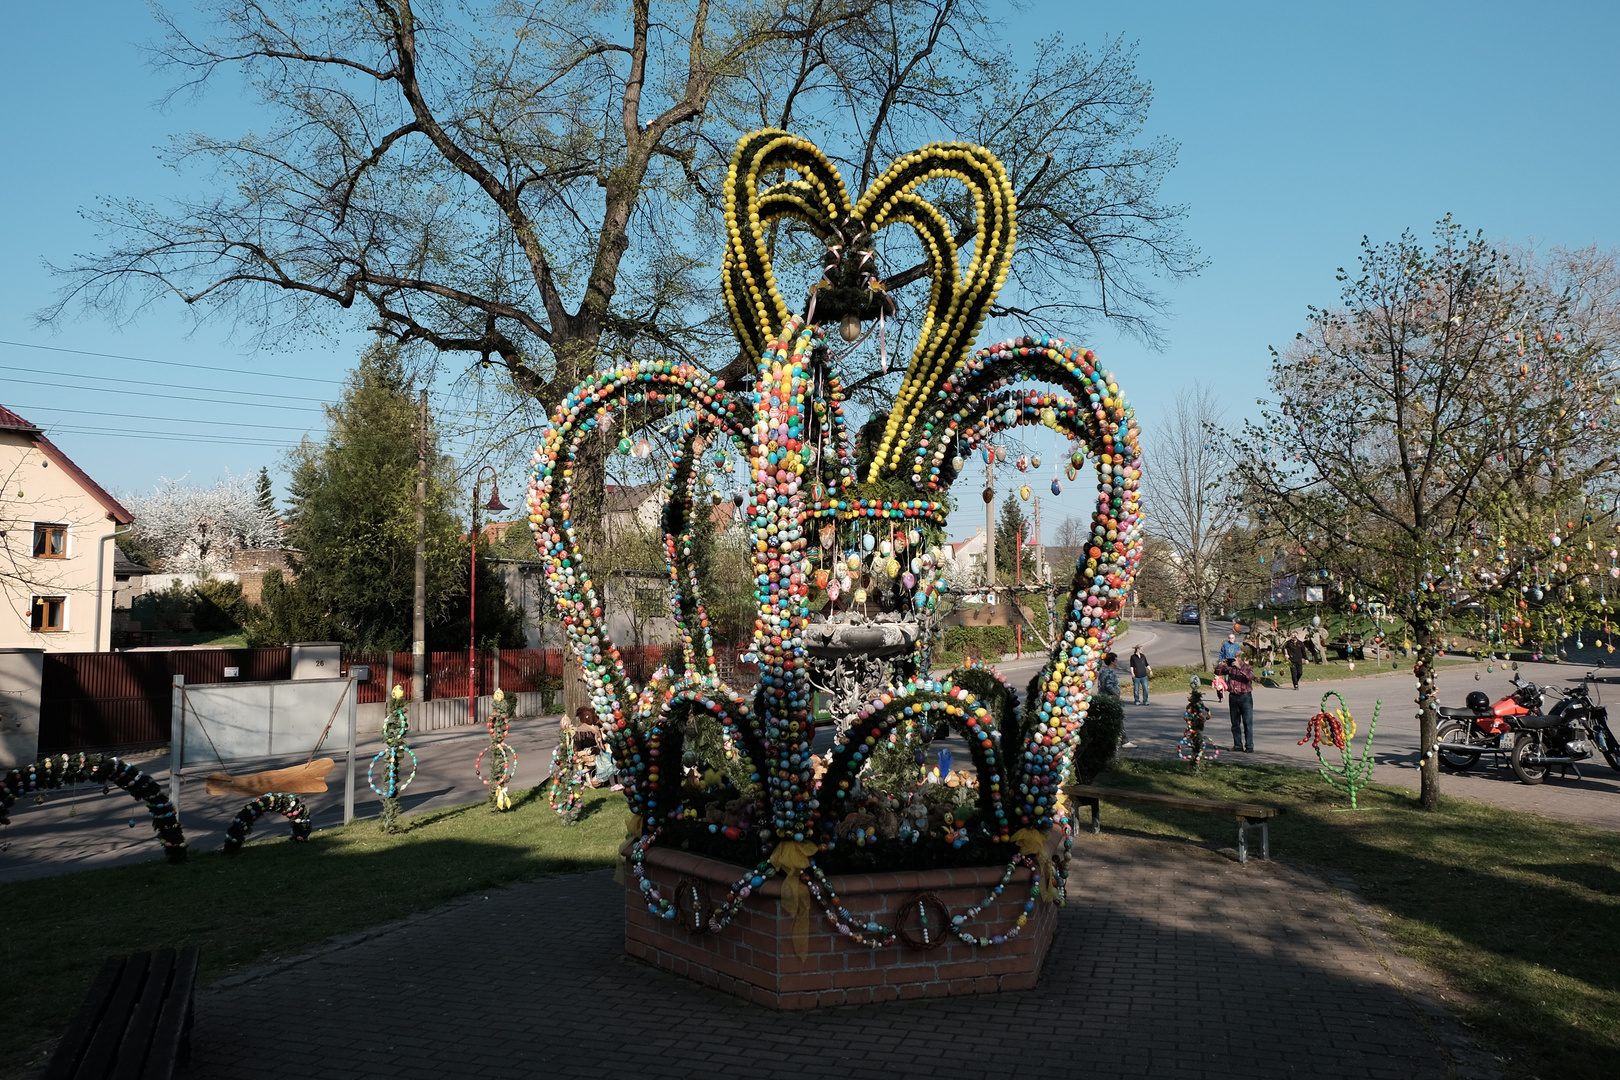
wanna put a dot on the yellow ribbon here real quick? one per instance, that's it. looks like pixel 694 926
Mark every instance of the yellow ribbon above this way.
pixel 1033 843
pixel 792 857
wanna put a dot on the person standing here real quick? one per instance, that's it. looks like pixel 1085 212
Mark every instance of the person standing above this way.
pixel 1141 670
pixel 1295 649
pixel 1108 683
pixel 1230 649
pixel 1239 676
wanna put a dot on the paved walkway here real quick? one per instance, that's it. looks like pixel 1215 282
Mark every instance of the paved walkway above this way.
pixel 1171 961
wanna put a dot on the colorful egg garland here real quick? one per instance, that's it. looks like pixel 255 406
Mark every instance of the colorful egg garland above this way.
pixel 802 475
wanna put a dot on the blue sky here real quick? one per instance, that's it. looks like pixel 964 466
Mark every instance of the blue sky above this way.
pixel 1303 126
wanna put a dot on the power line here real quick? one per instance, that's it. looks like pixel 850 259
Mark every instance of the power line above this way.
pixel 171 397
pixel 213 440
pixel 171 386
pixel 173 419
pixel 165 363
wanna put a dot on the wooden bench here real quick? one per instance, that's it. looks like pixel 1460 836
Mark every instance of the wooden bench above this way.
pixel 1246 814
pixel 135 1023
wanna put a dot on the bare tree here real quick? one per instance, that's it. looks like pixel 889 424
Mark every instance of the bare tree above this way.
pixel 1193 508
pixel 539 186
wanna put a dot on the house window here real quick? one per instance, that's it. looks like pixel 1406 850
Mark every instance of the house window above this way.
pixel 50 541
pixel 49 615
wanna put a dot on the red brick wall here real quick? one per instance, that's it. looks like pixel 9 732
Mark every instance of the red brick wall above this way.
pixel 754 956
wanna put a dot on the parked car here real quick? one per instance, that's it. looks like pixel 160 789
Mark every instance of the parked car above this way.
pixel 1188 616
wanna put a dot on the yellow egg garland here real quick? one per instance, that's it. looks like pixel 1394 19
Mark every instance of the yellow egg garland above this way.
pixel 804 494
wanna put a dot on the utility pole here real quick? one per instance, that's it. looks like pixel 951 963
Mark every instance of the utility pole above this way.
pixel 1035 542
pixel 990 517
pixel 419 600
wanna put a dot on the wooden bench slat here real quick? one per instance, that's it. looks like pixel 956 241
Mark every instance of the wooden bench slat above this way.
pixel 98 1058
pixel 1238 809
pixel 171 1039
pixel 65 1062
pixel 138 1036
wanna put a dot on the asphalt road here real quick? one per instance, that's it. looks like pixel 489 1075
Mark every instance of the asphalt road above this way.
pixel 81 828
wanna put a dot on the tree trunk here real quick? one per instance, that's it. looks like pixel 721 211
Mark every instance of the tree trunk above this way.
pixel 1428 717
pixel 575 694
pixel 1203 636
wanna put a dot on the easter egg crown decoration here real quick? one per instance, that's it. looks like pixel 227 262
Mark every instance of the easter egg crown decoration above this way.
pixel 846 518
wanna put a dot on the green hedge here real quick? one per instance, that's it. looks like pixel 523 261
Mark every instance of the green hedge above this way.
pixel 989 642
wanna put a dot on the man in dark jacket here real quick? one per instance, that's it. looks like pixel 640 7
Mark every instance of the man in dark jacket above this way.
pixel 1140 670
pixel 1296 655
pixel 1239 676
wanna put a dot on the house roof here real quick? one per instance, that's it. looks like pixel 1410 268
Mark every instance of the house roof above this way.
pixel 10 421
pixel 625 498
pixel 124 566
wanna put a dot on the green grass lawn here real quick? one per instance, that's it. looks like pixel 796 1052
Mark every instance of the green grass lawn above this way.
pixel 1518 914
pixel 274 899
pixel 1174 678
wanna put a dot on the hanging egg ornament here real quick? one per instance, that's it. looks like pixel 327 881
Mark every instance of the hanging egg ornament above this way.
pixel 1071 472
pixel 989 494
pixel 821 579
pixel 908 579
pixel 860 596
pixel 892 567
pixel 1056 489
pixel 642 448
pixel 1023 493
pixel 1022 463
pixel 624 444
pixel 885 548
pixel 868 541
pixel 833 591
pixel 915 536
pixel 1035 462
pixel 957 463
pixel 854 563
pixel 1001 453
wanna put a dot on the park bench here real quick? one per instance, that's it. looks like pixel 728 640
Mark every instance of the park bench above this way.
pixel 1246 814
pixel 135 1024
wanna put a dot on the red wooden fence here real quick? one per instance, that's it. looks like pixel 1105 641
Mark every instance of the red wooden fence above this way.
pixel 121 700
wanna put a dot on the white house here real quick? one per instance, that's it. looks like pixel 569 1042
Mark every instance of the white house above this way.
pixel 57 527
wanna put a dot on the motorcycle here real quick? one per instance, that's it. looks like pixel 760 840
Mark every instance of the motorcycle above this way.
pixel 1575 729
pixel 1483 726
pixel 1532 739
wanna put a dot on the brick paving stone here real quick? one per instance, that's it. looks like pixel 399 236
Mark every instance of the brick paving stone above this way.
pixel 1170 961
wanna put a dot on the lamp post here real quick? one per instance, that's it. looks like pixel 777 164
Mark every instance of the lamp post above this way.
pixel 493 505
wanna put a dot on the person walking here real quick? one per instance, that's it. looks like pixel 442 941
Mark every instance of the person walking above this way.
pixel 1108 683
pixel 1141 670
pixel 1295 649
pixel 1239 676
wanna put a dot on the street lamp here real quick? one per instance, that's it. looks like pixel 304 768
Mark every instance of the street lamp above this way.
pixel 493 505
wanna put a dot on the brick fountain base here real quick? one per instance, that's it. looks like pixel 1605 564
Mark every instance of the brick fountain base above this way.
pixel 754 956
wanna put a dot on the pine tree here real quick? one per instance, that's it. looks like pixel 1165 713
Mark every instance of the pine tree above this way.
pixel 351 528
pixel 266 496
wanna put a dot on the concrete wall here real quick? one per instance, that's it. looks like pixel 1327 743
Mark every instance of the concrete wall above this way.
pixel 21 676
pixel 48 493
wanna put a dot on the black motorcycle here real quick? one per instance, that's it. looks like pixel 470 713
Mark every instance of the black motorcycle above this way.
pixel 1573 730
